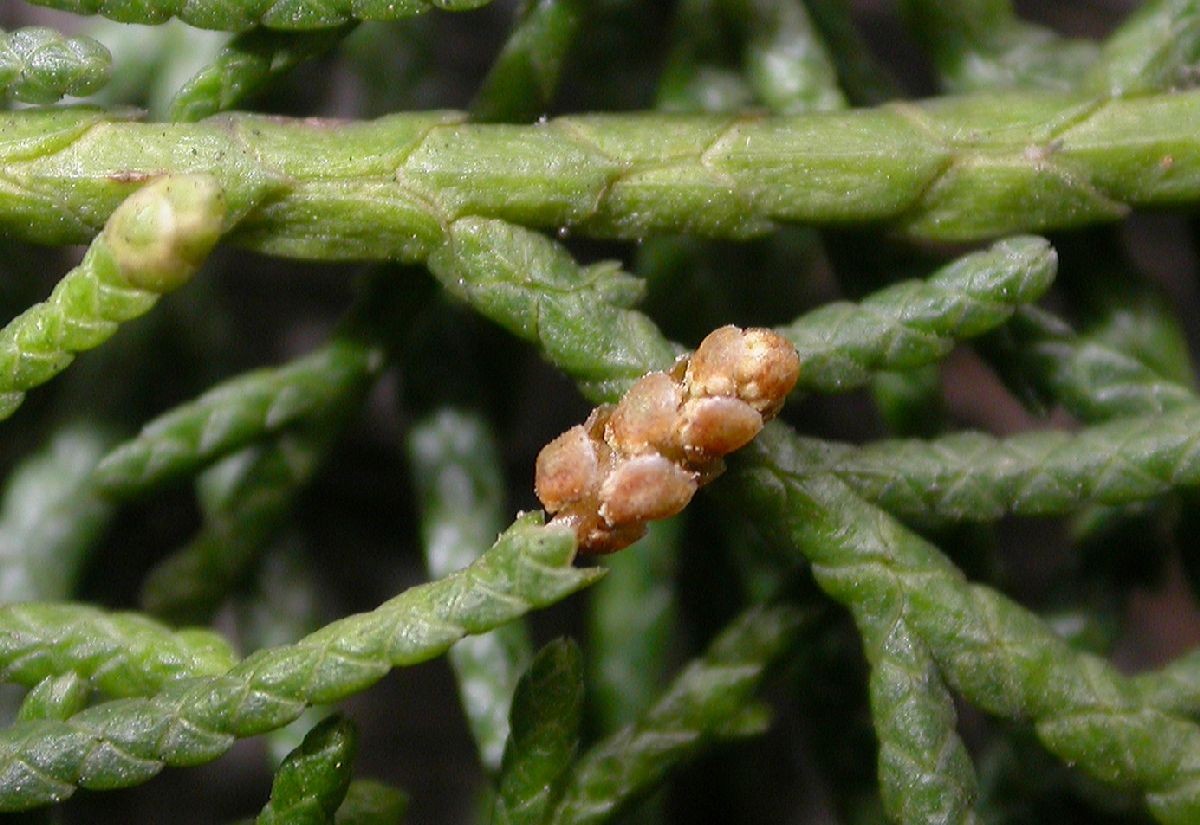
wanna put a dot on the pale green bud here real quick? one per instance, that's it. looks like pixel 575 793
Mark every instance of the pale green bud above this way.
pixel 161 234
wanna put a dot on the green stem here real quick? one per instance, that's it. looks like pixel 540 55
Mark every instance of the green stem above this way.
pixel 240 411
pixel 121 654
pixel 956 168
pixel 925 772
pixel 915 323
pixel 576 314
pixel 971 476
pixel 1092 379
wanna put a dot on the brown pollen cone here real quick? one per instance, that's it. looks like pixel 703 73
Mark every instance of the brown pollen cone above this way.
pixel 644 458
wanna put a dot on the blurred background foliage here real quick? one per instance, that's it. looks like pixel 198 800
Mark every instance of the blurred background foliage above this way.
pixel 351 538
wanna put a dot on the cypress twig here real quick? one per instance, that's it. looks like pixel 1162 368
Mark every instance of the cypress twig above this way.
pixel 153 243
pixel 952 169
pixel 239 15
pixel 246 65
pixel 456 469
pixel 1083 710
pixel 547 710
pixel 522 82
pixel 708 701
pixel 195 720
pixel 39 65
pixel 312 781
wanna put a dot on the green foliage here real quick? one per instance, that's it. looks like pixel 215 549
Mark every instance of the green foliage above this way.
pixel 631 622
pixel 312 781
pixel 55 697
pixel 151 244
pixel 1157 48
pixel 1082 709
pixel 194 720
pixel 52 515
pixel 524 78
pixel 247 64
pixel 245 498
pixel 547 709
pixel 709 700
pixel 976 477
pixel 456 469
pixel 39 65
pixel 237 413
pixel 577 315
pixel 238 15
pixel 836 598
pixel 981 44
pixel 123 654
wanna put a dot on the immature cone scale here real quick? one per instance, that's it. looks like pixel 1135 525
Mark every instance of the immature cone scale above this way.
pixel 644 458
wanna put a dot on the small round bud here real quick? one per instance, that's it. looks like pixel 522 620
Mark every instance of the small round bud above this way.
pixel 713 365
pixel 161 234
pixel 768 369
pixel 645 488
pixel 758 366
pixel 647 417
pixel 713 427
pixel 567 470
